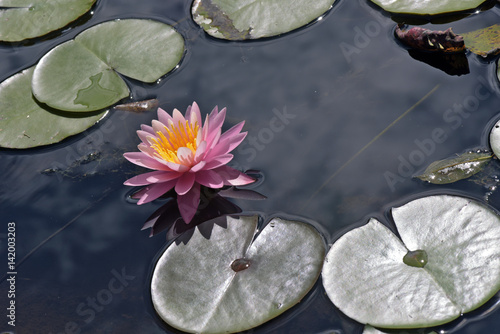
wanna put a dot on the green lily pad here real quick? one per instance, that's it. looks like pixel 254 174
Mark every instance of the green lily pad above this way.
pixel 456 168
pixel 484 42
pixel 221 280
pixel 372 330
pixel 366 278
pixel 252 19
pixel 24 19
pixel 495 139
pixel 81 74
pixel 427 7
pixel 24 123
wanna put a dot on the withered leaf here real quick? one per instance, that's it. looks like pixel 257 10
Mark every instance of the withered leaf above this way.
pixel 455 169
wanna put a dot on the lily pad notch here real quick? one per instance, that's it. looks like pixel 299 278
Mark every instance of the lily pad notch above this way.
pixel 446 263
pixel 82 74
pixel 237 278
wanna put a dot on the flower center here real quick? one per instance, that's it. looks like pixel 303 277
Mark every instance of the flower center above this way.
pixel 183 135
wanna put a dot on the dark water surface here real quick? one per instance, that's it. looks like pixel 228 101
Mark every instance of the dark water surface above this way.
pixel 317 166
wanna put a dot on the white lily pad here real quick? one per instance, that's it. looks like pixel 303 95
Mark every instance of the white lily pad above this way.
pixel 429 7
pixel 81 74
pixel 24 19
pixel 495 139
pixel 251 19
pixel 24 123
pixel 195 289
pixel 376 278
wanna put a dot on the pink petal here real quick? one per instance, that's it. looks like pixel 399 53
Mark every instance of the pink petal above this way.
pixel 145 136
pixel 163 116
pixel 188 203
pixel 199 166
pixel 147 128
pixel 185 156
pixel 233 141
pixel 219 149
pixel 185 183
pixel 177 117
pixel 213 138
pixel 209 178
pixel 221 160
pixel 233 177
pixel 143 160
pixel 195 116
pixel 233 131
pixel 159 127
pixel 142 179
pixel 217 120
pixel 154 191
pixel 163 177
pixel 146 149
pixel 176 167
pixel 200 151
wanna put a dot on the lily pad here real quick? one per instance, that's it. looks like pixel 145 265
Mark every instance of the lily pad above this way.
pixel 81 74
pixel 456 168
pixel 427 7
pixel 495 139
pixel 252 19
pixel 484 42
pixel 24 19
pixel 366 278
pixel 372 330
pixel 221 279
pixel 24 123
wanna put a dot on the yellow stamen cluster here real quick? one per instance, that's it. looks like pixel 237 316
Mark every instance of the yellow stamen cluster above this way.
pixel 184 135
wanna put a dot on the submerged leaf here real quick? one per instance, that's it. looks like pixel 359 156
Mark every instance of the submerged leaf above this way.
pixel 24 123
pixel 219 279
pixel 138 107
pixel 251 19
pixel 366 276
pixel 455 169
pixel 81 74
pixel 484 42
pixel 24 19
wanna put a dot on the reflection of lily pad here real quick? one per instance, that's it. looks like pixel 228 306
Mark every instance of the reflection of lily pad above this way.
pixel 81 74
pixel 23 19
pixel 427 7
pixel 484 42
pixel 221 280
pixel 24 123
pixel 251 19
pixel 366 278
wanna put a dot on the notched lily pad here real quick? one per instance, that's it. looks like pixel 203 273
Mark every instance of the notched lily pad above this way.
pixel 81 74
pixel 495 139
pixel 368 276
pixel 24 19
pixel 252 19
pixel 455 169
pixel 24 123
pixel 413 7
pixel 219 279
pixel 484 42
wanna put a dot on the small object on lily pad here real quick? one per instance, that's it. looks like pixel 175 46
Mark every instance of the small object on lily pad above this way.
pixel 252 19
pixel 456 168
pixel 25 19
pixel 431 40
pixel 24 123
pixel 227 277
pixel 436 7
pixel 446 263
pixel 484 42
pixel 81 75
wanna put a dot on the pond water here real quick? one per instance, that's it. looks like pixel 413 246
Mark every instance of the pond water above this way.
pixel 334 87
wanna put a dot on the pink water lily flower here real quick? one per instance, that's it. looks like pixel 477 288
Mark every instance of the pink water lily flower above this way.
pixel 185 155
